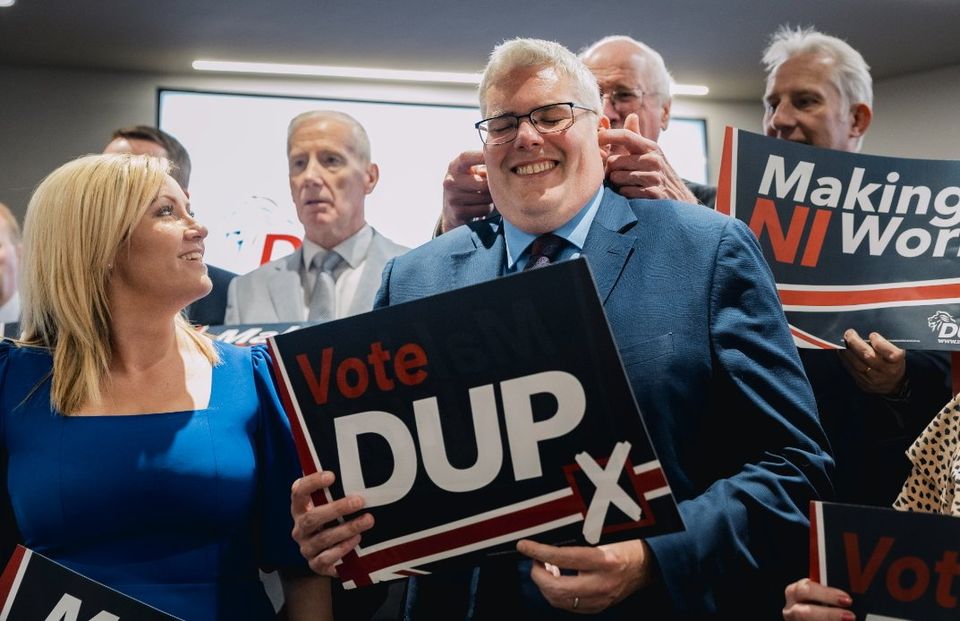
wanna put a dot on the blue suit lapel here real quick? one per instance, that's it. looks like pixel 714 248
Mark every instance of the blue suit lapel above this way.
pixel 608 246
pixel 483 260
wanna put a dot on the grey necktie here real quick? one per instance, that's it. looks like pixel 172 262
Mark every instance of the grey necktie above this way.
pixel 324 297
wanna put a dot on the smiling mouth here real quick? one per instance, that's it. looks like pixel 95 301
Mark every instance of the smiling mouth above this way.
pixel 192 256
pixel 536 167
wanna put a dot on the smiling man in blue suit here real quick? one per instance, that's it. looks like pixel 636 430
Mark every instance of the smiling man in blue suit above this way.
pixel 696 318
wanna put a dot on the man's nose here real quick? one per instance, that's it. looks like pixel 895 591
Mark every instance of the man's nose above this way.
pixel 527 134
pixel 782 117
pixel 610 111
pixel 313 172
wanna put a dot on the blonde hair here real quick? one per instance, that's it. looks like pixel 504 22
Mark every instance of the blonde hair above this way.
pixel 78 220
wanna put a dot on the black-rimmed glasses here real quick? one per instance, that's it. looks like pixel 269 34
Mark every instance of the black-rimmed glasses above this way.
pixel 549 119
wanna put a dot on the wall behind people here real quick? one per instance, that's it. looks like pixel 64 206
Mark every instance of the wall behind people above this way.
pixel 916 116
pixel 50 115
pixel 56 114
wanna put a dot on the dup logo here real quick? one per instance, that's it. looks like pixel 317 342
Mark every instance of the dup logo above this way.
pixel 943 324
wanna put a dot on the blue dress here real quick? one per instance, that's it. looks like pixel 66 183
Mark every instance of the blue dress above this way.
pixel 175 509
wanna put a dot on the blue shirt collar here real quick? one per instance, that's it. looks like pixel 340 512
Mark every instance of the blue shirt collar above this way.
pixel 574 231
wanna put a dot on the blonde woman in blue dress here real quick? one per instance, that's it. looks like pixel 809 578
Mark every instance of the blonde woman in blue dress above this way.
pixel 138 452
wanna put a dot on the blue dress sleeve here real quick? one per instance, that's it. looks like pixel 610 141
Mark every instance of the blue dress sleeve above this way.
pixel 9 532
pixel 278 468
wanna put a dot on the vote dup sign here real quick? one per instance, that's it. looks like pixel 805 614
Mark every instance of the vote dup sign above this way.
pixel 895 565
pixel 473 418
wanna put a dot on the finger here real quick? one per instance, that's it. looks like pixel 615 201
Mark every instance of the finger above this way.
pixel 303 489
pixel 573 557
pixel 325 562
pixel 632 123
pixel 464 162
pixel 327 513
pixel 862 350
pixel 465 183
pixel 887 351
pixel 313 543
pixel 809 592
pixel 627 141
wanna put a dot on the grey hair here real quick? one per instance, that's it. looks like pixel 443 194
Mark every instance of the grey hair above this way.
pixel 359 133
pixel 660 76
pixel 850 72
pixel 531 53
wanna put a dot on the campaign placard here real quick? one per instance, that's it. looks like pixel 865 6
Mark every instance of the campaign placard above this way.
pixel 854 241
pixel 248 334
pixel 474 418
pixel 896 565
pixel 34 588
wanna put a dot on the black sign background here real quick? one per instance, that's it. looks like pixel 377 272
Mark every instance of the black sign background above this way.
pixel 548 319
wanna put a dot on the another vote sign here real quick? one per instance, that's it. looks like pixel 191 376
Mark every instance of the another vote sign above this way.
pixel 854 241
pixel 35 588
pixel 474 418
pixel 895 565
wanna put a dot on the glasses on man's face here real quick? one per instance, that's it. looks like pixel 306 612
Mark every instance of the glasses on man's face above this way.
pixel 624 98
pixel 550 119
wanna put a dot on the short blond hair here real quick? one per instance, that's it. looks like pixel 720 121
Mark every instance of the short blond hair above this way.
pixel 519 54
pixel 78 220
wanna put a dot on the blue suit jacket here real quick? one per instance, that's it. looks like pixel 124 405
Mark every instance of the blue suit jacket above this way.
pixel 696 318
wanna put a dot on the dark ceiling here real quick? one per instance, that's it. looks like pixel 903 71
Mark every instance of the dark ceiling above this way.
pixel 715 43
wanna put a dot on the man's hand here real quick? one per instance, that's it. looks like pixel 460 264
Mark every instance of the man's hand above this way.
pixel 323 544
pixel 877 366
pixel 637 167
pixel 807 600
pixel 465 192
pixel 605 574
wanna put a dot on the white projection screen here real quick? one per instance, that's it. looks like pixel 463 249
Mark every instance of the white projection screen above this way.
pixel 239 188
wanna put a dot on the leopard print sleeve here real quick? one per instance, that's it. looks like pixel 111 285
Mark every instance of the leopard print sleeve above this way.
pixel 934 484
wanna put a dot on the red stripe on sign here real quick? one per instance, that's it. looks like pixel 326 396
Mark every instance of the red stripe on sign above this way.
pixel 474 533
pixel 931 293
pixel 724 199
pixel 299 436
pixel 10 573
pixel 809 338
pixel 359 568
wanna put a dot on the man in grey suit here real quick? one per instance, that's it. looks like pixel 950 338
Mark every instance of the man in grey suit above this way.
pixel 336 271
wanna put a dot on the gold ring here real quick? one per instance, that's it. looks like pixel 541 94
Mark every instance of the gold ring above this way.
pixel 576 602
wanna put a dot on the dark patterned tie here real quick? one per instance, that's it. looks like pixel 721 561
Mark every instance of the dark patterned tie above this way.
pixel 544 250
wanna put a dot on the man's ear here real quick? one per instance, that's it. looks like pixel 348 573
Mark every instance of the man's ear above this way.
pixel 665 114
pixel 861 115
pixel 373 175
pixel 604 123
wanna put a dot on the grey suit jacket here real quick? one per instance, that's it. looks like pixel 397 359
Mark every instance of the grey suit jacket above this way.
pixel 273 292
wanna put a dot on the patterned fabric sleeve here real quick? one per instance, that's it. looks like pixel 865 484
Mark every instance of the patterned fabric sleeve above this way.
pixel 934 484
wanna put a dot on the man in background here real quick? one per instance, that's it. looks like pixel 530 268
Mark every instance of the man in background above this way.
pixel 874 398
pixel 10 250
pixel 635 87
pixel 336 271
pixel 147 140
